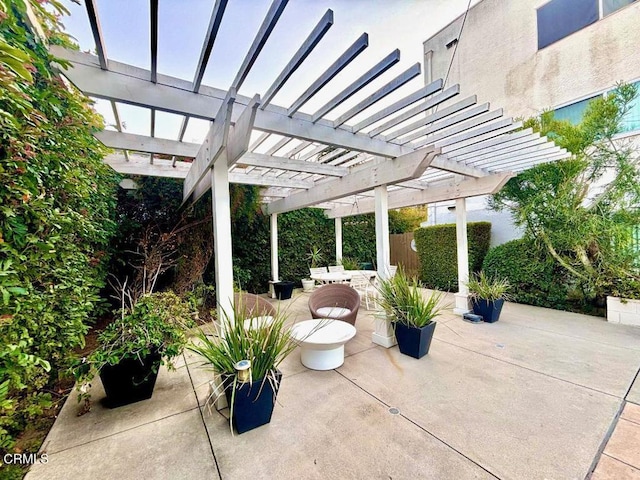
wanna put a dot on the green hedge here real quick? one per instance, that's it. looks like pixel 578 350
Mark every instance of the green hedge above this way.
pixel 438 255
pixel 56 220
pixel 535 277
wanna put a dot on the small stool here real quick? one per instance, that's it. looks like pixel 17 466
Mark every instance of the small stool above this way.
pixel 322 342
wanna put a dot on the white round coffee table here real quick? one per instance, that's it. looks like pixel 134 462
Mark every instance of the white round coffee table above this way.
pixel 322 342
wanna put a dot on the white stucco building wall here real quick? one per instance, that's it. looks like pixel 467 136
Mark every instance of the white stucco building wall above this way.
pixel 497 57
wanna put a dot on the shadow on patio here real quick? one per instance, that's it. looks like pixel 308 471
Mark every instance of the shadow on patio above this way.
pixel 531 396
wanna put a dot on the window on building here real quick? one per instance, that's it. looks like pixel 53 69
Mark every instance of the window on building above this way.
pixel 572 113
pixel 610 6
pixel 560 18
pixel 631 120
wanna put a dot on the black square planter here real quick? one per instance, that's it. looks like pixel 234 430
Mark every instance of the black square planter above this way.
pixel 283 290
pixel 414 341
pixel 487 309
pixel 130 381
pixel 253 402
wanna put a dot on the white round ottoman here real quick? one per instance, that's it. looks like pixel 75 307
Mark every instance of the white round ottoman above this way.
pixel 322 342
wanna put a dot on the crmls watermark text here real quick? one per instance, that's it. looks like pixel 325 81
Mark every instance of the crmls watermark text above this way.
pixel 25 458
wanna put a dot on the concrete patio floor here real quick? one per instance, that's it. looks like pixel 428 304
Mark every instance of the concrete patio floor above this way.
pixel 535 395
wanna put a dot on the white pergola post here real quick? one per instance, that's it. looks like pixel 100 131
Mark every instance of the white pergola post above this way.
pixel 274 254
pixel 338 224
pixel 222 235
pixel 383 254
pixel 383 334
pixel 462 297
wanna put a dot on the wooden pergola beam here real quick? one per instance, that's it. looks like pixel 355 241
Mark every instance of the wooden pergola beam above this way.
pixel 377 173
pixel 268 24
pixel 412 112
pixel 128 84
pixel 336 67
pixel 430 89
pixel 408 198
pixel 153 43
pixel 282 163
pixel 364 80
pixel 96 31
pixel 303 52
pixel 406 76
pixel 207 46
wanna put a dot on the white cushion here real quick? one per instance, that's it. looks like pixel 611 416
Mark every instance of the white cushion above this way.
pixel 257 322
pixel 333 312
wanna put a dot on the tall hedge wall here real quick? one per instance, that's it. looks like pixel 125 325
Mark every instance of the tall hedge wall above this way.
pixel 438 255
pixel 535 277
pixel 58 202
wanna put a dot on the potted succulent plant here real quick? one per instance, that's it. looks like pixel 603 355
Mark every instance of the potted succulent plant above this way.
pixel 411 313
pixel 488 296
pixel 315 257
pixel 150 333
pixel 246 360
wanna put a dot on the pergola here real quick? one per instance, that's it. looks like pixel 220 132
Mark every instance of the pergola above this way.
pixel 426 147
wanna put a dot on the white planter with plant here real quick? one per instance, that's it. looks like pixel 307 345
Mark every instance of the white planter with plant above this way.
pixel 308 284
pixel 384 335
pixel 623 310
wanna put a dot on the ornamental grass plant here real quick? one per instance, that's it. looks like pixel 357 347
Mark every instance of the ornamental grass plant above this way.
pixel 402 299
pixel 481 286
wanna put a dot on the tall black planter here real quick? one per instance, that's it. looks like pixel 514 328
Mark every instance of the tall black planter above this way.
pixel 253 403
pixel 130 380
pixel 283 290
pixel 489 310
pixel 414 341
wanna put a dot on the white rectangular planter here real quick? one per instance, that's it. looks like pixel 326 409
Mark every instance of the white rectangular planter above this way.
pixel 624 311
pixel 384 334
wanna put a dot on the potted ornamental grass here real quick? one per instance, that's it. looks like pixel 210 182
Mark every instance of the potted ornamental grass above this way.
pixel 246 361
pixel 412 315
pixel 151 332
pixel 488 295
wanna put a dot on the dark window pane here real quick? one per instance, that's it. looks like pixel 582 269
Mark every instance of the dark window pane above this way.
pixel 610 6
pixel 560 18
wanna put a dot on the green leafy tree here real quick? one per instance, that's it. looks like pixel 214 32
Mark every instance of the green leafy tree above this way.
pixel 583 209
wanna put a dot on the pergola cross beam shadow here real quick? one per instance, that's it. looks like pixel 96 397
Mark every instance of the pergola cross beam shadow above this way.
pixel 424 147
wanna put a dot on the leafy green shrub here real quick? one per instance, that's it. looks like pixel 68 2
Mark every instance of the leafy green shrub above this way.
pixel 438 255
pixel 155 322
pixel 535 278
pixel 56 220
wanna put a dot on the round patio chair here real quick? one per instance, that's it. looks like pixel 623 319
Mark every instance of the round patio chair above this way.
pixel 253 309
pixel 336 301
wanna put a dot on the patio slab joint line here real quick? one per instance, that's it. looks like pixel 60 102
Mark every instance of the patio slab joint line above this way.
pixel 44 450
pixel 421 427
pixel 605 440
pixel 204 425
pixel 621 461
pixel 531 370
pixel 635 379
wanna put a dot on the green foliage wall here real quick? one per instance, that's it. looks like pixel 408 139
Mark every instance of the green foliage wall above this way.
pixel 56 219
pixel 438 256
pixel 535 277
pixel 298 232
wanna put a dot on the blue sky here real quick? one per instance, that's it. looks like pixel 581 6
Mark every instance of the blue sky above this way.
pixel 391 24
